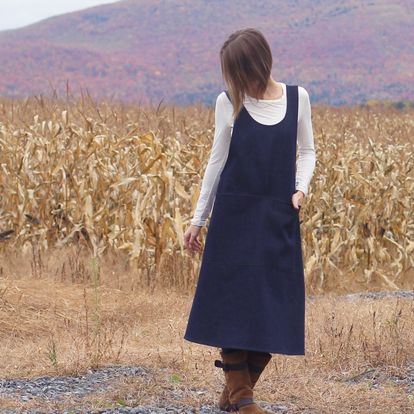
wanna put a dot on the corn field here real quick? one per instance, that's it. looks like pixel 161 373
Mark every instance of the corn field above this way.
pixel 125 180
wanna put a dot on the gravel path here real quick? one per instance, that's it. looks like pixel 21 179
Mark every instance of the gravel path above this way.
pixel 376 377
pixel 51 389
pixel 401 294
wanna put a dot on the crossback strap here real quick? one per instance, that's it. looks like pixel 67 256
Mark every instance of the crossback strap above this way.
pixel 228 95
pixel 228 366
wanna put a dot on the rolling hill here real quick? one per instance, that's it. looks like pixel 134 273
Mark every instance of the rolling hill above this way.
pixel 342 51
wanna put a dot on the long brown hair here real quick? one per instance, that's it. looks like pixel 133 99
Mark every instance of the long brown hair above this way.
pixel 246 64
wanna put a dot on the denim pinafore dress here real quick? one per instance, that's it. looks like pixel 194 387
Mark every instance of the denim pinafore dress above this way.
pixel 250 292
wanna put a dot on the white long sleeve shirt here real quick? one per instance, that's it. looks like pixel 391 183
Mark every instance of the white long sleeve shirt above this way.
pixel 265 111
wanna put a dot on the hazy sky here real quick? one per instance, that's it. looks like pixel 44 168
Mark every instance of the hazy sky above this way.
pixel 17 13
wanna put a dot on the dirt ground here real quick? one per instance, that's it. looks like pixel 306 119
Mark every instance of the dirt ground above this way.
pixel 359 350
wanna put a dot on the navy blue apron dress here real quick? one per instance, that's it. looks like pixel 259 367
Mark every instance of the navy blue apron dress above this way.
pixel 250 292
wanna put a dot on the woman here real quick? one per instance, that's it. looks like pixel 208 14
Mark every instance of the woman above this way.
pixel 250 298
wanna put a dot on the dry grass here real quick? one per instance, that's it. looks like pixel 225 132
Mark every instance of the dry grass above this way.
pixel 94 199
pixel 120 179
pixel 56 326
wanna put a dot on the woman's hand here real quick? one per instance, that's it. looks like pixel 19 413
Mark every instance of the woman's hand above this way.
pixel 190 238
pixel 297 199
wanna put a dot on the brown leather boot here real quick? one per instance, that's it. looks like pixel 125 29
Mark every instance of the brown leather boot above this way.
pixel 257 362
pixel 238 383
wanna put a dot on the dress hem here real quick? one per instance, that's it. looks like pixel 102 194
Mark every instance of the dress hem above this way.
pixel 250 348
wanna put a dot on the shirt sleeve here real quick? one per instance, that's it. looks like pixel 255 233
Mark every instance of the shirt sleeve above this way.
pixel 307 159
pixel 218 157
